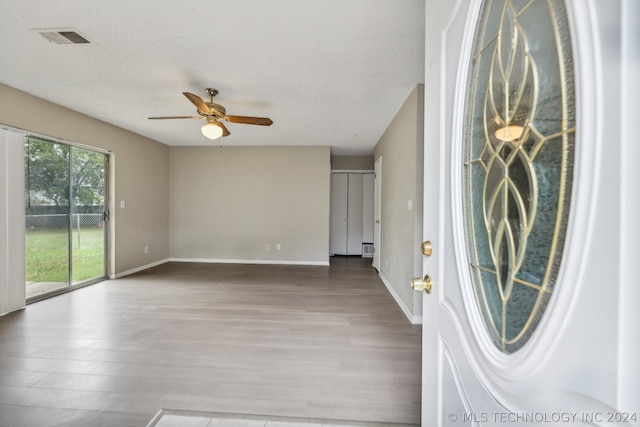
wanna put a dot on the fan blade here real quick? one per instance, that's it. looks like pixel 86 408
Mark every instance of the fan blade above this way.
pixel 199 103
pixel 225 131
pixel 175 117
pixel 262 121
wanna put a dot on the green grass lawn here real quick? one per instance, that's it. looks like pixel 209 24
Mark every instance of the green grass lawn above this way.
pixel 47 255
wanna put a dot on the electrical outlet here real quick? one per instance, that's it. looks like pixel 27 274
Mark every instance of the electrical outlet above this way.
pixel 122 204
pixel 278 246
pixel 267 246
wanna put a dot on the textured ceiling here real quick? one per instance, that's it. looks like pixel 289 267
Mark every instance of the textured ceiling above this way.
pixel 330 72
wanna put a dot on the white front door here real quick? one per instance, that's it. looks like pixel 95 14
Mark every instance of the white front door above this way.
pixel 579 364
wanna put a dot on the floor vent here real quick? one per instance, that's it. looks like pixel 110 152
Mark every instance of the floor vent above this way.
pixel 367 250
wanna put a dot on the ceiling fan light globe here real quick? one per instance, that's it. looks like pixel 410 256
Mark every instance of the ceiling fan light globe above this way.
pixel 211 130
pixel 509 133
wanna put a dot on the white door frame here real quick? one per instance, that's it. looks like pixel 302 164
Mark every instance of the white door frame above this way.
pixel 377 226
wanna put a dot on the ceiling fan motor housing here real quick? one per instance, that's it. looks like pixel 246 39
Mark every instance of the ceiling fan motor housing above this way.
pixel 218 110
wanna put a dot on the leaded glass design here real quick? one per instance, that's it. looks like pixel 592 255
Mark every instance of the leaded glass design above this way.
pixel 518 162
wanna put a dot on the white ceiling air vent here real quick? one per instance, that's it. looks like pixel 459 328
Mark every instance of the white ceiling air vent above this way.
pixel 63 36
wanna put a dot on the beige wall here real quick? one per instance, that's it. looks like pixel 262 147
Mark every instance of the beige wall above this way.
pixel 352 163
pixel 229 203
pixel 140 166
pixel 401 226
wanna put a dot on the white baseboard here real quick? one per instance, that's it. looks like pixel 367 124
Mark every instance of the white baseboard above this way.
pixel 216 261
pixel 415 320
pixel 11 311
pixel 137 269
pixel 249 261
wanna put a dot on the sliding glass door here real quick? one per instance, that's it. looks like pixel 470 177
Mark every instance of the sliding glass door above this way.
pixel 65 199
pixel 87 207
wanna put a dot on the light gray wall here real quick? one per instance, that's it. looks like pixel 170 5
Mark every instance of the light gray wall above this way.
pixel 401 226
pixel 228 204
pixel 140 178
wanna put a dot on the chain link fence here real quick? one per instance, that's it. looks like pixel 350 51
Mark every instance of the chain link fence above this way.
pixel 54 242
pixel 56 222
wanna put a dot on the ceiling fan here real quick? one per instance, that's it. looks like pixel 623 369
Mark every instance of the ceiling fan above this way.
pixel 214 114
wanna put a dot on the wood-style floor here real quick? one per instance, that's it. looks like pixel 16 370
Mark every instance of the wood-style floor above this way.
pixel 300 341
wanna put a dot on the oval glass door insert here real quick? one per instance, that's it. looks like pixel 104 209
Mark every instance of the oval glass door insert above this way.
pixel 518 162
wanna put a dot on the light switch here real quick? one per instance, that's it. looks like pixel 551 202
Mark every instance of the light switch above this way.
pixel 122 204
pixel 410 204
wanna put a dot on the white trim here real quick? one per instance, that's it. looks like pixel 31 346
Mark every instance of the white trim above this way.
pixel 13 310
pixel 415 320
pixel 216 261
pixel 54 139
pixel 629 317
pixel 137 269
pixel 248 261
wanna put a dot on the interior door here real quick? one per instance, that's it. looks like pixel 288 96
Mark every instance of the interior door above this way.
pixel 576 367
pixel 354 215
pixel 339 212
pixel 377 212
pixel 368 197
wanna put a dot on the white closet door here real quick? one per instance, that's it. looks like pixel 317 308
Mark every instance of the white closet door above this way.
pixel 339 197
pixel 354 221
pixel 367 207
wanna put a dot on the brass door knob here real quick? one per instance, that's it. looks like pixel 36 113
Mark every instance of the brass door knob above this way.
pixel 426 248
pixel 418 284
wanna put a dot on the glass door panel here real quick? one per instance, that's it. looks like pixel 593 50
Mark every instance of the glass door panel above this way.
pixel 65 199
pixel 47 216
pixel 87 207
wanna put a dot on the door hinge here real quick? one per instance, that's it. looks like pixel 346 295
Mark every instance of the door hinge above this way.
pixel 106 216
